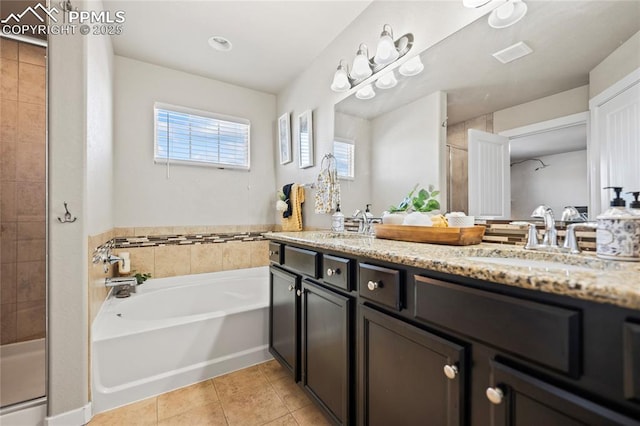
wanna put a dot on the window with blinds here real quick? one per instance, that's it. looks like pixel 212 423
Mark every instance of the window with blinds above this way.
pixel 344 151
pixel 189 136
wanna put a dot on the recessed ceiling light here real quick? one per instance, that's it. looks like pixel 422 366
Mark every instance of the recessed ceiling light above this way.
pixel 220 43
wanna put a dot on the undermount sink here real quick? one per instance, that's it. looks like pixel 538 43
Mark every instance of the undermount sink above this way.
pixel 540 265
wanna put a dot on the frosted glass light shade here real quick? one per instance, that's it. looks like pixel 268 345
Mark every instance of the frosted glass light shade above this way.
pixel 413 66
pixel 386 51
pixel 366 92
pixel 507 14
pixel 360 69
pixel 474 3
pixel 387 81
pixel 340 80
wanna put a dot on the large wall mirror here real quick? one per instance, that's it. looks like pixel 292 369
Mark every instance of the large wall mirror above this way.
pixel 417 132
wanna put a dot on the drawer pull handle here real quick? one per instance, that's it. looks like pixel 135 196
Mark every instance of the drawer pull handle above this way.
pixel 372 285
pixel 495 395
pixel 451 371
pixel 291 288
pixel 332 272
pixel 299 293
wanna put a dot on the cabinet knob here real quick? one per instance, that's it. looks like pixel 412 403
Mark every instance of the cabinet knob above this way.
pixel 299 293
pixel 271 252
pixel 291 288
pixel 451 371
pixel 372 285
pixel 332 272
pixel 495 395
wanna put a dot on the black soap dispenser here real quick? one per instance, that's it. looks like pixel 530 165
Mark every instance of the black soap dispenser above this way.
pixel 635 204
pixel 618 231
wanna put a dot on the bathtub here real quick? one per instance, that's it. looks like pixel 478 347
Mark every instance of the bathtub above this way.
pixel 177 331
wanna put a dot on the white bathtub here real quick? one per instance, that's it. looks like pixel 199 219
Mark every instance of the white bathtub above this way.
pixel 177 331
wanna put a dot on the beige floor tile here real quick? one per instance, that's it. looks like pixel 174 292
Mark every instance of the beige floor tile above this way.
pixel 310 416
pixel 210 415
pixel 253 407
pixel 139 413
pixel 287 420
pixel 273 370
pixel 184 399
pixel 240 381
pixel 290 393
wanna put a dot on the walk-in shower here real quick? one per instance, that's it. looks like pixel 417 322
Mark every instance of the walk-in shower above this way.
pixel 23 254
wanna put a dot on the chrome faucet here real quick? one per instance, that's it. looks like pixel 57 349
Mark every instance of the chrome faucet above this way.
pixel 364 225
pixel 571 240
pixel 551 234
pixel 122 286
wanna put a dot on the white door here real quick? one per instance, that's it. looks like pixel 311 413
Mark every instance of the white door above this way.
pixel 489 175
pixel 616 139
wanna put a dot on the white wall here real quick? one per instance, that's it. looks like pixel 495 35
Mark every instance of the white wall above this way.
pixel 145 196
pixel 429 21
pixel 99 101
pixel 406 150
pixel 558 105
pixel 617 65
pixel 563 183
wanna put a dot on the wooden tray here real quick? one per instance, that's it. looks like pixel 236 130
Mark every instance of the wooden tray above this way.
pixel 431 234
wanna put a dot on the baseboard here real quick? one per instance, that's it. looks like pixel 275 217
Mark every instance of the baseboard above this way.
pixel 78 417
pixel 29 416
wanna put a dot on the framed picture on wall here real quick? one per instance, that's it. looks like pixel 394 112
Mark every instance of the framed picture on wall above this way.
pixel 305 139
pixel 284 137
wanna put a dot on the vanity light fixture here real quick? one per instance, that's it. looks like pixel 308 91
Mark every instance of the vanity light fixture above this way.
pixel 341 81
pixel 366 92
pixel 472 4
pixel 507 14
pixel 387 81
pixel 363 67
pixel 413 66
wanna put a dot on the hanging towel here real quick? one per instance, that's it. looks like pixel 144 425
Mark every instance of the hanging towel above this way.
pixel 294 221
pixel 286 190
pixel 327 186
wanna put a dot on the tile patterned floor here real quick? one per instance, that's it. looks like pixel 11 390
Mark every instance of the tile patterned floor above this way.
pixel 263 394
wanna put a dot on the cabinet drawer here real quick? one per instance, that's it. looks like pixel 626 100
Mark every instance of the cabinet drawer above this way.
pixel 337 271
pixel 304 261
pixel 540 333
pixel 381 285
pixel 631 360
pixel 275 252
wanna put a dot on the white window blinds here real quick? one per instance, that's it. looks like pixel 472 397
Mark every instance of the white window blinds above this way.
pixel 344 151
pixel 189 136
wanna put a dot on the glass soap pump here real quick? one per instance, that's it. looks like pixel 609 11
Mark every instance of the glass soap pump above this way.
pixel 337 220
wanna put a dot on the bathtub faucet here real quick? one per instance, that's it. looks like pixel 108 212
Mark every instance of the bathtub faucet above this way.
pixel 122 286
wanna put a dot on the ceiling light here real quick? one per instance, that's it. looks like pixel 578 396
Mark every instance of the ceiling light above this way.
pixel 220 43
pixel 474 3
pixel 366 92
pixel 341 81
pixel 386 52
pixel 412 67
pixel 387 81
pixel 507 14
pixel 361 68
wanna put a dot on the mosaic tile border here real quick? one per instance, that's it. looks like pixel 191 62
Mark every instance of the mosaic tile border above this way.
pixel 185 239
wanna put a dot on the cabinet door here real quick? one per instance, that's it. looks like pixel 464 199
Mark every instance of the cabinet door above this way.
pixel 284 317
pixel 326 349
pixel 407 376
pixel 521 400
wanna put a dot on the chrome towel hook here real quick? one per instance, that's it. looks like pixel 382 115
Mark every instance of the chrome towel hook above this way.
pixel 67 216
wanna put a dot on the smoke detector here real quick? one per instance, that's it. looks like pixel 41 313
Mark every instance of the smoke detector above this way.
pixel 513 52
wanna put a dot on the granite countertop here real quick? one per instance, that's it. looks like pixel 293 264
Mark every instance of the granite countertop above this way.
pixel 586 276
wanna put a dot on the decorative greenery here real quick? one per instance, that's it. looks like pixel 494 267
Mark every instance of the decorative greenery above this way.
pixel 141 278
pixel 424 201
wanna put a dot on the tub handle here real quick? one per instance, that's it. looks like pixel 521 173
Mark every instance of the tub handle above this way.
pixel 291 288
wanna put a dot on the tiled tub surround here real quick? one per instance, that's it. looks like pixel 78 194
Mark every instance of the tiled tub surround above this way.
pixel 22 191
pixel 608 282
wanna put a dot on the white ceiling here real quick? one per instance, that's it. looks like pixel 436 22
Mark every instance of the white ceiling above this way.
pixel 566 139
pixel 273 41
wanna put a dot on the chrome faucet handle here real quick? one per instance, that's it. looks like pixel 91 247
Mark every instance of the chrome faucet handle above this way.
pixel 532 237
pixel 571 240
pixel 570 213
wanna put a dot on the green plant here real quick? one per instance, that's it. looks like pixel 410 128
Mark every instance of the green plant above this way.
pixel 141 278
pixel 424 201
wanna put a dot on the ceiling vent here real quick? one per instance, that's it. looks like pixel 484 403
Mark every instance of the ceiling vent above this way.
pixel 512 53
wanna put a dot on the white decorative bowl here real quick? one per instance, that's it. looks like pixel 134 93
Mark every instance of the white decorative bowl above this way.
pixel 461 221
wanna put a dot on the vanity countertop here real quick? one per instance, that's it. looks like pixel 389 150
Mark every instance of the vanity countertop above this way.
pixel 586 277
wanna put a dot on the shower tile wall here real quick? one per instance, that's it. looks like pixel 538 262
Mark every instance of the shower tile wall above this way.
pixel 22 191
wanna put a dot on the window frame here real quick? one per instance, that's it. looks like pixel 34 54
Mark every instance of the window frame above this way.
pixel 353 165
pixel 165 160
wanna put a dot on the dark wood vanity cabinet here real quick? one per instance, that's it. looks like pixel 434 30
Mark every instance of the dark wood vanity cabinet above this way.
pixel 284 319
pixel 407 376
pixel 326 349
